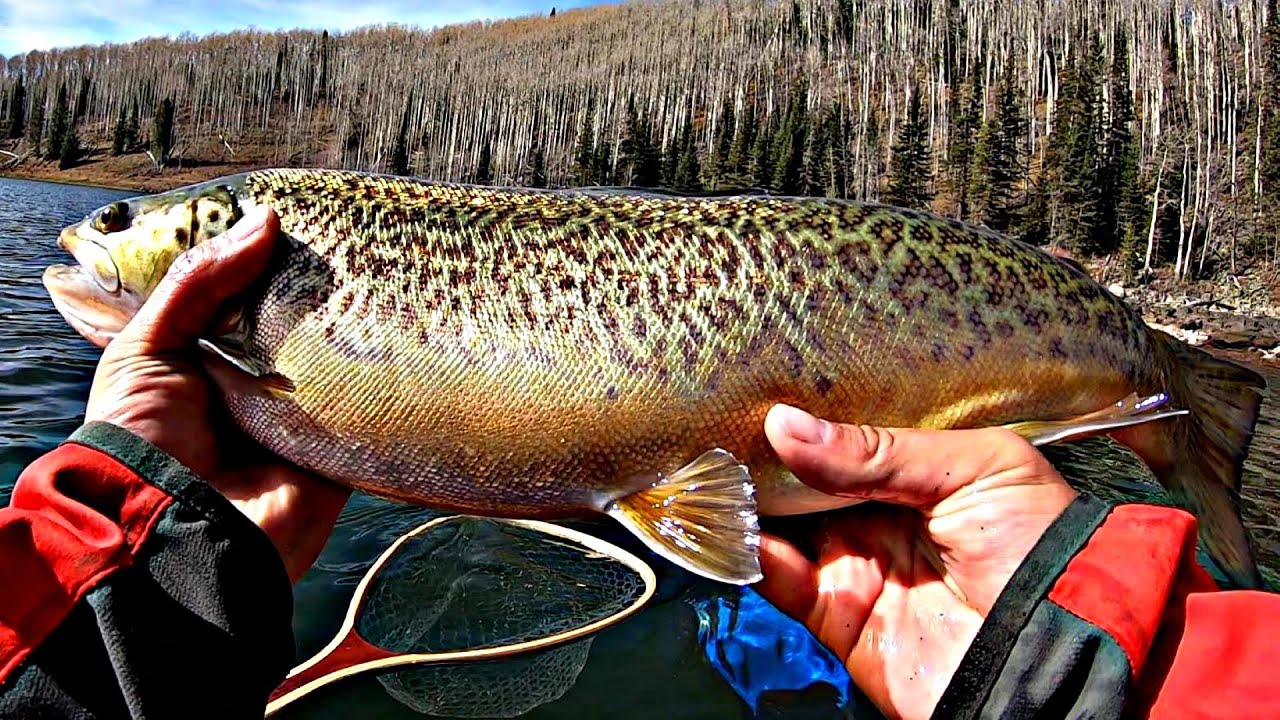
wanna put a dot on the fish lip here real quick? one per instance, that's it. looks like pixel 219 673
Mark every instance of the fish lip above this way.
pixel 73 242
pixel 77 296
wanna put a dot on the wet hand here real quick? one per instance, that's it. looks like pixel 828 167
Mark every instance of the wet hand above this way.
pixel 152 381
pixel 899 590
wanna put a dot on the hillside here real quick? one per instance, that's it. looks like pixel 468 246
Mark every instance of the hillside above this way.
pixel 1136 129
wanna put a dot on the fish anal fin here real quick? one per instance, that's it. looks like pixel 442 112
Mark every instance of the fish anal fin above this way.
pixel 1131 411
pixel 701 517
pixel 262 379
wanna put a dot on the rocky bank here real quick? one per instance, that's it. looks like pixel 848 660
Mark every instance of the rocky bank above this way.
pixel 1237 319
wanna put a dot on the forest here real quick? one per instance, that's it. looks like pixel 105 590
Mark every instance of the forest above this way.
pixel 1146 132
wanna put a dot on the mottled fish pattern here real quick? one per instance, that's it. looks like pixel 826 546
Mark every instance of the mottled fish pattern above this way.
pixel 553 345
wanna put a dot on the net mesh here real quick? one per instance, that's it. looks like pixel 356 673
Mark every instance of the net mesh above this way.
pixel 471 583
pixel 489 689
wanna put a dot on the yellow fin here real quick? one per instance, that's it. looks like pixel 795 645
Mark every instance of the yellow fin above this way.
pixel 702 517
pixel 1126 413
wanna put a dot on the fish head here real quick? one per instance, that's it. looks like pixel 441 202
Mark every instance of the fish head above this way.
pixel 124 250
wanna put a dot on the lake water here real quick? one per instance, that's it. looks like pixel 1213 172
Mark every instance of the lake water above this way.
pixel 696 651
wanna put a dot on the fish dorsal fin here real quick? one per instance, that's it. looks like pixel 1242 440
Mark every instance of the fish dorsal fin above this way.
pixel 1128 412
pixel 701 517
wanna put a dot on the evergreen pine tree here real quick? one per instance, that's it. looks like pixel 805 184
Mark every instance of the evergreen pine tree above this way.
pixel 162 132
pixel 718 162
pixel 82 99
pixel 738 165
pixel 633 146
pixel 820 166
pixel 133 130
pixel 69 153
pixel 603 174
pixel 670 158
pixel 400 155
pixel 17 109
pixel 1073 159
pixel 874 148
pixel 1005 169
pixel 538 166
pixel 841 153
pixel 761 157
pixel 58 123
pixel 912 171
pixel 35 124
pixel 1121 201
pixel 688 174
pixel 963 159
pixel 649 156
pixel 484 165
pixel 1081 178
pixel 789 145
pixel 1037 224
pixel 118 133
pixel 584 155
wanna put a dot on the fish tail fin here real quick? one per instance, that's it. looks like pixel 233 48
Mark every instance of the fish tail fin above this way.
pixel 1198 457
pixel 701 517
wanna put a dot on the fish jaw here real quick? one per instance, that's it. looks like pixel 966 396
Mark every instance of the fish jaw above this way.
pixel 92 296
pixel 86 306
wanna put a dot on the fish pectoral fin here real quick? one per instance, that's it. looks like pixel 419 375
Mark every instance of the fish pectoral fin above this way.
pixel 701 517
pixel 1128 412
pixel 265 380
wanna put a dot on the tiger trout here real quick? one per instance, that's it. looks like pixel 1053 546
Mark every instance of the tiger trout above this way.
pixel 526 353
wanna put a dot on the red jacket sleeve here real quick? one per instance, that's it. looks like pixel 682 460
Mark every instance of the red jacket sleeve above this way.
pixel 130 588
pixel 1111 615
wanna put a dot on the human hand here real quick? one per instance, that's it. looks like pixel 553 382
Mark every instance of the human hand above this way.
pixel 151 381
pixel 899 591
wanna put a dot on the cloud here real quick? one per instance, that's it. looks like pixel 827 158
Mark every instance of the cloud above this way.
pixel 45 24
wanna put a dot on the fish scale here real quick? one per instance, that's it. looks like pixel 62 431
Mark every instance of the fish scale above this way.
pixel 548 353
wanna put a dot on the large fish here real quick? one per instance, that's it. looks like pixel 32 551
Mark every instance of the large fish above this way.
pixel 534 353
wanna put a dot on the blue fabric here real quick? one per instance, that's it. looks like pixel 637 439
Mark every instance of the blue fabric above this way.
pixel 757 649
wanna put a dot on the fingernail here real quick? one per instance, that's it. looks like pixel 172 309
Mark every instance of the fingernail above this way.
pixel 803 427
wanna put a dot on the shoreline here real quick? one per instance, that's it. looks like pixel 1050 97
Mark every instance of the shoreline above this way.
pixel 9 174
pixel 131 172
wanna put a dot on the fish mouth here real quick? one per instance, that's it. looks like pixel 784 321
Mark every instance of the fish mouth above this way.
pixel 88 308
pixel 94 258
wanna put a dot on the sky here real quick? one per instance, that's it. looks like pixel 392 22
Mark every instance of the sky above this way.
pixel 45 24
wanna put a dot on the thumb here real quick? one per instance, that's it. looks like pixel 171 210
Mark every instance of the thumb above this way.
pixel 917 468
pixel 189 297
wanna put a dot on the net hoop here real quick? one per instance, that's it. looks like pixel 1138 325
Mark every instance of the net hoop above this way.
pixel 581 539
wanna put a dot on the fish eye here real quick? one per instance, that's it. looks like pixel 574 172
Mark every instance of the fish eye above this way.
pixel 113 218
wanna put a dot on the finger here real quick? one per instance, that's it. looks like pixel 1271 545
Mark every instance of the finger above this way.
pixel 917 468
pixel 851 579
pixel 790 582
pixel 198 283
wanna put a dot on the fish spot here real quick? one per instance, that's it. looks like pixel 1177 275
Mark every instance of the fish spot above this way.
pixel 612 392
pixel 1056 350
pixel 823 385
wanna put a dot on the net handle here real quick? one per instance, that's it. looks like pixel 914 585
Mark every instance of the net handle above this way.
pixel 347 645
